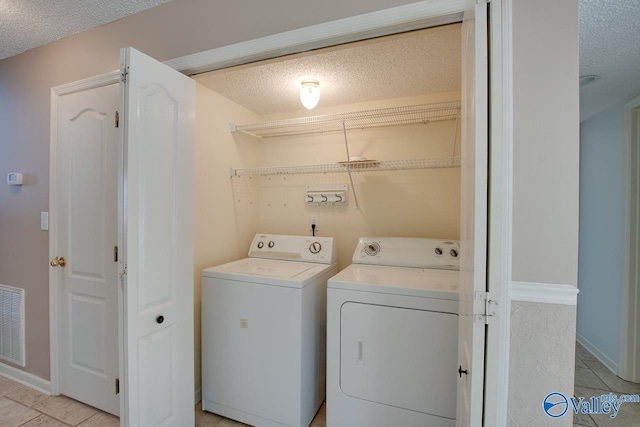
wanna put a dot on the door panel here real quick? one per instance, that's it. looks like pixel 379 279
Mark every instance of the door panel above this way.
pixel 473 225
pixel 387 356
pixel 86 192
pixel 157 232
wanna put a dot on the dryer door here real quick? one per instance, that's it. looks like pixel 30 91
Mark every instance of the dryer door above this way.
pixel 400 357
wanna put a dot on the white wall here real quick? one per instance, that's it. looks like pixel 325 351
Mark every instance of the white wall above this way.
pixel 602 183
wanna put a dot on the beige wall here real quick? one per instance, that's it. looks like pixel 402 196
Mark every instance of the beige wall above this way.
pixel 545 141
pixel 412 203
pixel 545 202
pixel 168 31
pixel 223 228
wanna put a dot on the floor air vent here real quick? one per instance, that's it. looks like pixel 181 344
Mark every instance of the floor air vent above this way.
pixel 12 325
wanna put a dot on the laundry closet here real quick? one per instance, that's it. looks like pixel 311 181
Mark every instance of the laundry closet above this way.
pixel 405 168
pixel 381 150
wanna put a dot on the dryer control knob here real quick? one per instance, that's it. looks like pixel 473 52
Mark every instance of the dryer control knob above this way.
pixel 454 253
pixel 372 248
pixel 260 245
pixel 438 251
pixel 315 247
pixel 271 244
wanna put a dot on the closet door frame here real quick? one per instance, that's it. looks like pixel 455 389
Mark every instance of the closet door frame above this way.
pixel 410 17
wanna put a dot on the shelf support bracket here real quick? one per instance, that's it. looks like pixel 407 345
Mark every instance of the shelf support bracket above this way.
pixel 346 144
pixel 455 137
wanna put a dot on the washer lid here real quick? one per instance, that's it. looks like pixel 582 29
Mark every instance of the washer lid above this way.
pixel 419 282
pixel 267 271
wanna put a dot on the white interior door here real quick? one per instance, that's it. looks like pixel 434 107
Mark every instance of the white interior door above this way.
pixel 87 291
pixel 157 232
pixel 473 232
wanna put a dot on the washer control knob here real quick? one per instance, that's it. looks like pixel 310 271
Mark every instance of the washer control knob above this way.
pixel 260 245
pixel 271 244
pixel 454 253
pixel 438 251
pixel 372 249
pixel 315 247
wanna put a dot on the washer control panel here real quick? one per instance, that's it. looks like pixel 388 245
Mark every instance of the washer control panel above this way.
pixel 294 248
pixel 408 252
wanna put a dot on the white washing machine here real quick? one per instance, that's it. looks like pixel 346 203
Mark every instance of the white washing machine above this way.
pixel 392 335
pixel 264 331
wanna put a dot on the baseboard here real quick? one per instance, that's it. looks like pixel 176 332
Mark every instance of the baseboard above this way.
pixel 25 378
pixel 603 358
pixel 544 293
pixel 198 395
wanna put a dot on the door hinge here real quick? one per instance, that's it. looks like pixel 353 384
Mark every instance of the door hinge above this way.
pixel 117 385
pixel 490 308
pixel 115 254
pixel 123 74
pixel 117 119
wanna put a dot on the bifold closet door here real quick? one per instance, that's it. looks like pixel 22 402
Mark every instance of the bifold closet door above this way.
pixel 156 211
pixel 473 218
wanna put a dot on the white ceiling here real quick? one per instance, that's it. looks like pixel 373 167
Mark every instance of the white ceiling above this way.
pixel 610 48
pixel 25 24
pixel 416 63
pixel 609 40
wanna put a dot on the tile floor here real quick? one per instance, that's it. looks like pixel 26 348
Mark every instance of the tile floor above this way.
pixel 207 419
pixel 20 406
pixel 594 379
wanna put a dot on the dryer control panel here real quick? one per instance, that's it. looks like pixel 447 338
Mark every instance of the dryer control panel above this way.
pixel 408 252
pixel 294 248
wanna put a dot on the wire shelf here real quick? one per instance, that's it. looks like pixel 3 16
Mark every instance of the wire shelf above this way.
pixel 423 113
pixel 359 166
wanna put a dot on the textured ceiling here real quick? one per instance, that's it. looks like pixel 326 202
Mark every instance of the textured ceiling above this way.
pixel 416 63
pixel 610 48
pixel 25 24
pixel 609 40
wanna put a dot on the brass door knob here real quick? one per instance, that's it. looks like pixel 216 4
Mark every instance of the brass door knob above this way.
pixel 58 262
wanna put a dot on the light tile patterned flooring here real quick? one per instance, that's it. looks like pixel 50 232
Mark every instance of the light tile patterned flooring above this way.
pixel 21 406
pixel 594 379
pixel 207 419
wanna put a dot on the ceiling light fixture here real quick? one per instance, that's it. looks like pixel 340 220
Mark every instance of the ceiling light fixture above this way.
pixel 310 93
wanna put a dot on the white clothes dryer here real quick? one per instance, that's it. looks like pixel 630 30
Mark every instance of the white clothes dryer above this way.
pixel 264 331
pixel 392 335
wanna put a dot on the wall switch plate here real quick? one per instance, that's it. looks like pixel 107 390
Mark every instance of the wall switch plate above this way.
pixel 44 221
pixel 14 178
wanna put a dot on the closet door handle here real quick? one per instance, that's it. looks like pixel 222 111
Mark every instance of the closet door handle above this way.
pixel 460 371
pixel 160 319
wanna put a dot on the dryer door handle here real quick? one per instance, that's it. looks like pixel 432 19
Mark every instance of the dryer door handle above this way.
pixel 359 351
